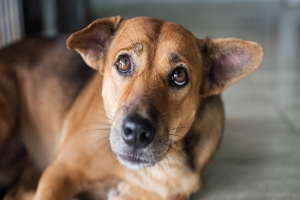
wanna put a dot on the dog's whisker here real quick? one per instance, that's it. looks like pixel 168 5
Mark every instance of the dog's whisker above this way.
pixel 100 140
pixel 96 125
pixel 171 129
pixel 174 160
pixel 159 165
pixel 101 137
pixel 91 122
pixel 98 107
pixel 101 114
pixel 99 131
pixel 191 149
pixel 94 122
pixel 95 134
pixel 168 162
pixel 178 151
pixel 89 132
pixel 103 143
pixel 100 148
pixel 97 114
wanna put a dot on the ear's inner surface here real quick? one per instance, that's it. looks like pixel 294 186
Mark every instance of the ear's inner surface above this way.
pixel 228 67
pixel 227 61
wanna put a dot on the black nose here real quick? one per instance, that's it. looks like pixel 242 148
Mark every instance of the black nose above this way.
pixel 138 132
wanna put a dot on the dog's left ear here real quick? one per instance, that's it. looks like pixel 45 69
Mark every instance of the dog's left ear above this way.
pixel 227 60
pixel 92 41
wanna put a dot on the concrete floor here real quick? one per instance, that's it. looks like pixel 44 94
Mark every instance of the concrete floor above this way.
pixel 260 155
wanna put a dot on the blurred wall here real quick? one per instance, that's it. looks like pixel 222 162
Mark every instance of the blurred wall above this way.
pixel 50 17
pixel 174 1
pixel 11 23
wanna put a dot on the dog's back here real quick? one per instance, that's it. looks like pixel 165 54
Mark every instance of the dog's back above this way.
pixel 39 80
pixel 49 62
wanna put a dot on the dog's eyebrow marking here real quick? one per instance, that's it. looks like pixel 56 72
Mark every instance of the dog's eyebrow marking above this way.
pixel 173 58
pixel 138 47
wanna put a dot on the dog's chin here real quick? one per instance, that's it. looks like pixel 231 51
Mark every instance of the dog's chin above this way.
pixel 134 163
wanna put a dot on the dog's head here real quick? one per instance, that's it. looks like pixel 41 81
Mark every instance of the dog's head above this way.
pixel 155 74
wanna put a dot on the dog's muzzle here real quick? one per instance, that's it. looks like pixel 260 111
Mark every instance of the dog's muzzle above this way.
pixel 138 138
pixel 137 132
pixel 136 141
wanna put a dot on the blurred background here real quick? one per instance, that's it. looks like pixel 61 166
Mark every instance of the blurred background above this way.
pixel 260 154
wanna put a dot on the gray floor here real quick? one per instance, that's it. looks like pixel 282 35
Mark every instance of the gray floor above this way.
pixel 260 154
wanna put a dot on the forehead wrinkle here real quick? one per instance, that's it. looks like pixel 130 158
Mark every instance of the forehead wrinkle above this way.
pixel 124 29
pixel 142 28
pixel 151 30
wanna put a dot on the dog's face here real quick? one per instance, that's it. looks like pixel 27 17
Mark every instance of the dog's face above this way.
pixel 151 87
pixel 155 74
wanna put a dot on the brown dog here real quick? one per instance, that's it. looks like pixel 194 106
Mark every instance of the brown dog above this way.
pixel 148 115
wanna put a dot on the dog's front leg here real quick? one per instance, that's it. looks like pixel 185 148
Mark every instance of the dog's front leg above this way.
pixel 58 182
pixel 127 191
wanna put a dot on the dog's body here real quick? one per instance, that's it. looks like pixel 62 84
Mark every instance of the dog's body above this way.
pixel 152 118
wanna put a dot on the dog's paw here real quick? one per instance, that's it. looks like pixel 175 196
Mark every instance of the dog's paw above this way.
pixel 113 194
pixel 127 191
pixel 122 192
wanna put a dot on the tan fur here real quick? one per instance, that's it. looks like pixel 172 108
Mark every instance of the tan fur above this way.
pixel 74 157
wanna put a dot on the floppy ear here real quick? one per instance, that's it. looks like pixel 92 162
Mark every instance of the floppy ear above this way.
pixel 227 60
pixel 92 41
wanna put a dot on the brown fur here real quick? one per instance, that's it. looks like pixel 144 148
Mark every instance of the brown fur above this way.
pixel 69 116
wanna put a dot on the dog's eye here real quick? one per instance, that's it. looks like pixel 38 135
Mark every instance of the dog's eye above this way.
pixel 123 64
pixel 179 76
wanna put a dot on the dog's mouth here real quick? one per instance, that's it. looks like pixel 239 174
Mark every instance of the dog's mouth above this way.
pixel 134 162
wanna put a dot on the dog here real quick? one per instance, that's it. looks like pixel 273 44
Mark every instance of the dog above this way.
pixel 142 120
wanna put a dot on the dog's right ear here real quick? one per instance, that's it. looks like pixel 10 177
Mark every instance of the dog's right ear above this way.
pixel 92 41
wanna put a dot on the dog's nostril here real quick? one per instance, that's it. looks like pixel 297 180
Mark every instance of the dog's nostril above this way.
pixel 127 131
pixel 138 132
pixel 144 136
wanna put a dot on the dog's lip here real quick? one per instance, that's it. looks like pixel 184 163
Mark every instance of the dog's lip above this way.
pixel 132 159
